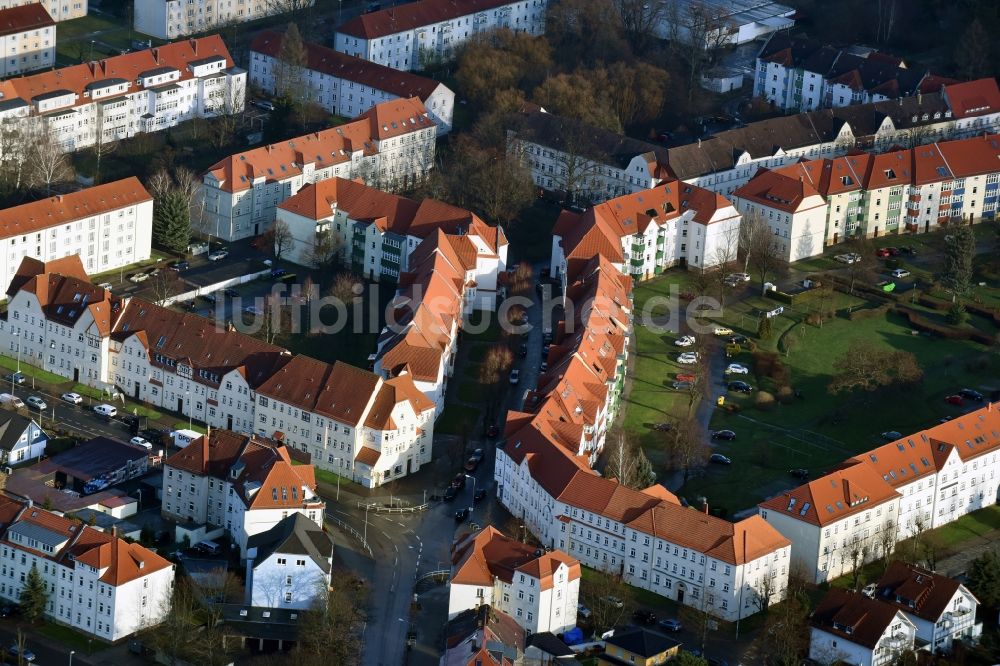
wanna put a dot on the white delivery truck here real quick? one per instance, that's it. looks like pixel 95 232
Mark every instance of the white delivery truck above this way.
pixel 184 437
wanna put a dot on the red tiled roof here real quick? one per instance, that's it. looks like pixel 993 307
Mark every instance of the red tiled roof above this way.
pixel 368 456
pixel 777 190
pixel 479 557
pixel 413 15
pixel 833 497
pixel 930 593
pixel 14 20
pixel 973 98
pixel 867 619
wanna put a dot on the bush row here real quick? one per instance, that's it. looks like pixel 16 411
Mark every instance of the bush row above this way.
pixel 948 332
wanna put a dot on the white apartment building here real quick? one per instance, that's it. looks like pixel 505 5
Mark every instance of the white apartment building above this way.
pixel 413 35
pixel 390 145
pixel 538 589
pixel 727 160
pixel 170 19
pixel 243 483
pixel 346 85
pixel 97 583
pixel 58 10
pixel 814 203
pixel 847 627
pixel 108 226
pixel 353 422
pixel 119 97
pixel 290 565
pixel 919 482
pixel 800 75
pixel 644 233
pixel 942 609
pixel 376 233
pixel 584 163
pixel 27 39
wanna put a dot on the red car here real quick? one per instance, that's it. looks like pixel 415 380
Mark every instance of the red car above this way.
pixel 685 377
pixel 954 399
pixel 893 251
pixel 882 252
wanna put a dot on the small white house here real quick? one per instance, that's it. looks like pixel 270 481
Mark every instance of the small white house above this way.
pixel 289 565
pixel 850 628
pixel 21 439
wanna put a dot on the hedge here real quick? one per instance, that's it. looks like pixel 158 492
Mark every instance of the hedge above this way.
pixel 948 332
pixel 868 313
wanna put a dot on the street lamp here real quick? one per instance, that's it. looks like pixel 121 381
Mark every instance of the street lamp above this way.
pixel 469 476
pixel 187 394
pixel 338 476
pixel 365 537
pixel 71 653
pixel 139 491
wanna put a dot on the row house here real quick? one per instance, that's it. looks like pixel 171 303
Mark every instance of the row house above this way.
pixel 801 75
pixel 290 566
pixel 353 422
pixel 580 162
pixel 898 490
pixel 171 19
pixel 97 583
pixel 109 226
pixel 539 589
pixel 426 315
pixel 57 320
pixel 58 10
pixel 375 233
pixel 346 85
pixel 850 628
pixel 727 160
pixel 647 537
pixel 820 202
pixel 415 35
pixel 243 483
pixel 645 233
pixel 27 39
pixel 390 145
pixel 118 97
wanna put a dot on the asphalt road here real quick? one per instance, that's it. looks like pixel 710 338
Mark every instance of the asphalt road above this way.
pixel 46 652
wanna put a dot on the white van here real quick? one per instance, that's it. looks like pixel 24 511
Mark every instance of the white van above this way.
pixel 184 437
pixel 10 401
pixel 209 547
pixel 107 411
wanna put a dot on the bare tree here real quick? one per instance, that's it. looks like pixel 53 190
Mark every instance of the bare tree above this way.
pixel 343 287
pixel 628 463
pixel 330 633
pixel 14 148
pixel 105 143
pixel 324 250
pixel 494 368
pixel 281 238
pixel 858 551
pixel 289 67
pixel 762 253
pixel 229 108
pixel 640 20
pixel 687 447
pixel 885 541
pixel 707 32
pixel 607 596
pixel 863 266
pixel 171 638
pixel 47 163
pixel 164 284
pixel 766 588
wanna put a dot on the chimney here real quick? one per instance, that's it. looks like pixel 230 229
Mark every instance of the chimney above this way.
pixel 194 46
pixel 704 507
pixel 156 55
pixel 699 143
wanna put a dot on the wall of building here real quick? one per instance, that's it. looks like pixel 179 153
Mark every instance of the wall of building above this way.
pixel 288 580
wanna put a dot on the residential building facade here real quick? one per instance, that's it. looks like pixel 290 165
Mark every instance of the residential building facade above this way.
pixel 820 202
pixel 290 565
pixel 645 233
pixel 171 19
pixel 346 85
pixel 799 75
pixel 848 627
pixel 919 482
pixel 27 39
pixel 97 584
pixel 375 233
pixel 119 97
pixel 109 226
pixel 58 10
pixel 412 36
pixel 538 589
pixel 243 483
pixel 390 145
pixel 21 439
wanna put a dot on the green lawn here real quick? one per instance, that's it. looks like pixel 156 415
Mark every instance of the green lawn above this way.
pixel 531 235
pixel 30 371
pixel 75 640
pixel 456 419
pixel 979 523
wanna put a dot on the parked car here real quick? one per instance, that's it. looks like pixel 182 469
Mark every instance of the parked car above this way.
pixel 740 277
pixel 450 494
pixel 523 352
pixel 738 340
pixel 685 341
pixel 663 427
pixel 480 495
pixel 969 394
pixel 720 459
pixel 515 376
pixel 493 431
pixel 544 366
pixel 230 292
pixel 893 251
pixel 139 441
pixel 882 252
pixel 847 258
pixel 900 273
pixel 461 515
pixel 681 386
pixel 891 435
pixel 139 277
pixel 670 624
pixel 908 249
pixel 10 400
pixel 278 273
pixel 688 358
pixel 685 377
pixel 458 481
pixel 182 265
pixel 72 398
pixel 615 601
pixel 253 310
pixel 36 402
pixel 722 331
pixel 263 104
pixel 644 616
pixel 726 435
pixel 582 611
pixel 16 377
pixel 799 473
pixel 105 285
pixel 954 399
pixel 739 387
pixel 15 651
pixel 471 464
pixel 478 455
pixel 737 369
pixel 218 255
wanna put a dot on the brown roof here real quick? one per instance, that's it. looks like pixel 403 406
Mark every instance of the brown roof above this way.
pixel 776 189
pixel 63 296
pixel 833 497
pixel 973 98
pixel 479 557
pixel 338 391
pixel 413 15
pixel 368 456
pixel 125 68
pixel 283 160
pixel 26 17
pixel 350 68
pixel 917 591
pixel 854 617
pixel 62 208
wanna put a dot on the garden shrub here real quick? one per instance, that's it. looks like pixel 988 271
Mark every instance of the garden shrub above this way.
pixel 785 394
pixel 765 401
